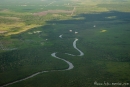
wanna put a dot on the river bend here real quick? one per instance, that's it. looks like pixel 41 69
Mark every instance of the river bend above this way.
pixel 71 66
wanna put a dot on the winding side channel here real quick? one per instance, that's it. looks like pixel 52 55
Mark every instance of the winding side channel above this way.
pixel 71 66
pixel 74 45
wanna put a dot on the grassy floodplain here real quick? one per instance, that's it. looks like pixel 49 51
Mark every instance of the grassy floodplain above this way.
pixel 30 30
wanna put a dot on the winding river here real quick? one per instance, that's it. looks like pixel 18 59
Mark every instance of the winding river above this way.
pixel 71 66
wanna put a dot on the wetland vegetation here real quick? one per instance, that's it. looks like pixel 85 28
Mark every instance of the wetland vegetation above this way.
pixel 29 34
